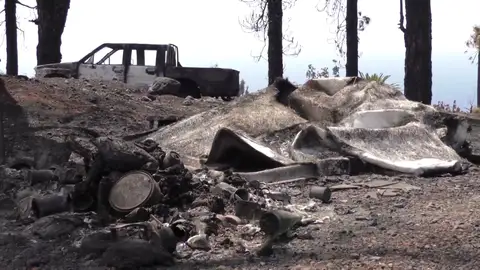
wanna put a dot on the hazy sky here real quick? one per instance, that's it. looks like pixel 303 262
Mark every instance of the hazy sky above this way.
pixel 208 32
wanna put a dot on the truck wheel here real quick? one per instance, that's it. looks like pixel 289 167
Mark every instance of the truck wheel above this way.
pixel 189 88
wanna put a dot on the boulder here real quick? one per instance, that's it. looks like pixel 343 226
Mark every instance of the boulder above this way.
pixel 164 86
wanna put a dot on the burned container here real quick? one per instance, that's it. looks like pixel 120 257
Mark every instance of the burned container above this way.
pixel 40 176
pixel 277 222
pixel 230 192
pixel 51 204
pixel 248 210
pixel 172 158
pixel 134 189
pixel 322 193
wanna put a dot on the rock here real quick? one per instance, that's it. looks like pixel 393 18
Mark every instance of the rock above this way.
pixel 199 241
pixel 188 101
pixel 355 256
pixel 229 220
pixel 121 155
pixel 234 220
pixel 164 86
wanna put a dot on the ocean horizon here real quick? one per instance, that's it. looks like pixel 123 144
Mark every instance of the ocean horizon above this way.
pixel 454 77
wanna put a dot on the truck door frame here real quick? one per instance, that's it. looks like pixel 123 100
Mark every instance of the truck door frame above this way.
pixel 127 57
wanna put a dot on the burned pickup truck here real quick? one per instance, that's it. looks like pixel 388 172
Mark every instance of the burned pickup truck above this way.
pixel 139 65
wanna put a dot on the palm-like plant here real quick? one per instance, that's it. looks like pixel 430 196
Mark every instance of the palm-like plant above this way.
pixel 379 78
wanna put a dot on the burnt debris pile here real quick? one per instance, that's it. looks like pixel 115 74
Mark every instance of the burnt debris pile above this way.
pixel 132 204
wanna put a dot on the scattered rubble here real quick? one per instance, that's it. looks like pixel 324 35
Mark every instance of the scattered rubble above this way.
pixel 128 202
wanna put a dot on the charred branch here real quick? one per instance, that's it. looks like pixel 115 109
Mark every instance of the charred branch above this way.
pixel 401 24
pixel 337 11
pixel 257 24
pixel 24 5
pixel 266 22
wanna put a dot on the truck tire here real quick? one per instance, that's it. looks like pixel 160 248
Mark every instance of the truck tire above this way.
pixel 189 88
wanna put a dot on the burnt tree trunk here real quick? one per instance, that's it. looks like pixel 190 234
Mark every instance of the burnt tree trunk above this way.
pixel 418 53
pixel 2 137
pixel 52 16
pixel 11 33
pixel 352 38
pixel 275 39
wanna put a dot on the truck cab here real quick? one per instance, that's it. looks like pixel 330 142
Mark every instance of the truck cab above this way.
pixel 138 65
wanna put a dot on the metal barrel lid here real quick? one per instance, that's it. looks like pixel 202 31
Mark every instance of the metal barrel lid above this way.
pixel 132 190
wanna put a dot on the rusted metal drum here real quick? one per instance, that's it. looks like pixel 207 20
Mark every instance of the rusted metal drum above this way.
pixel 132 190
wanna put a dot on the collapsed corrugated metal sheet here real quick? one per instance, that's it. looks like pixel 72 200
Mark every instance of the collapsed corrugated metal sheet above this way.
pixel 324 123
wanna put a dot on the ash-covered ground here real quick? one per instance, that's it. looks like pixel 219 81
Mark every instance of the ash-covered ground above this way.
pixel 63 216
